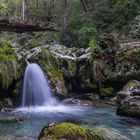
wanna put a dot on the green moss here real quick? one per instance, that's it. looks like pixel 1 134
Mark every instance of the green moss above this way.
pixel 128 85
pixel 106 91
pixel 1 104
pixel 132 56
pixel 91 85
pixel 94 52
pixel 99 67
pixel 68 67
pixel 9 68
pixel 51 67
pixel 136 57
pixel 71 131
pixel 67 131
pixel 101 133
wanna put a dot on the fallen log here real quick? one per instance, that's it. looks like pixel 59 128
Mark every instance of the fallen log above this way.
pixel 26 26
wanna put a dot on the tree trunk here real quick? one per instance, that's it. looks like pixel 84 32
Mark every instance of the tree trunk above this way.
pixel 24 8
pixel 84 4
pixel 68 8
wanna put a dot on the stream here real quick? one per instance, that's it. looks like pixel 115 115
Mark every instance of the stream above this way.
pixel 37 117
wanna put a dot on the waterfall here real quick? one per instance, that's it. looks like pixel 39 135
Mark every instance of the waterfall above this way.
pixel 36 89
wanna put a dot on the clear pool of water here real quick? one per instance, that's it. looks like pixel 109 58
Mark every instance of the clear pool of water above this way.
pixel 37 117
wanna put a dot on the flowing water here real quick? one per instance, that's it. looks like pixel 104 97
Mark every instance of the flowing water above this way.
pixel 36 117
pixel 36 89
pixel 40 108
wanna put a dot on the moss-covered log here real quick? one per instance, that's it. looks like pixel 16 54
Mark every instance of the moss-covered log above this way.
pixel 26 26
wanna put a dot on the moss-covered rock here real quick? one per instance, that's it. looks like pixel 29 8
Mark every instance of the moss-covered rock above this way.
pixel 129 99
pixel 106 92
pixel 9 68
pixel 69 131
pixel 11 71
pixel 51 67
pixel 127 61
pixel 132 88
pixel 129 86
pixel 65 131
pixel 68 67
pixel 74 66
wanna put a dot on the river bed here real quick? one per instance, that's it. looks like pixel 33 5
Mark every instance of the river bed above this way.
pixel 34 118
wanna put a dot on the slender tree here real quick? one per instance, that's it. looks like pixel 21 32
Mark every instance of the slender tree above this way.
pixel 84 5
pixel 24 10
pixel 68 10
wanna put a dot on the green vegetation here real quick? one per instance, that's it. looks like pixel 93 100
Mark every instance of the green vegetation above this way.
pixel 9 68
pixel 80 24
pixel 50 65
pixel 106 91
pixel 129 86
pixel 71 131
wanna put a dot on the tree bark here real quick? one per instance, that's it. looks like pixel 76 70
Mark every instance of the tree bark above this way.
pixel 84 5
pixel 68 8
pixel 24 10
pixel 26 26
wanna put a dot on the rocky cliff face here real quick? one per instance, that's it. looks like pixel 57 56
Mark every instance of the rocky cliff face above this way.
pixel 79 70
pixel 98 69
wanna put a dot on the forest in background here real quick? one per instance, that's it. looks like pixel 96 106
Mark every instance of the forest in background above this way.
pixel 81 22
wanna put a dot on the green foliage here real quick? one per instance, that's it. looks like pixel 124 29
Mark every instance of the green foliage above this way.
pixel 50 65
pixel 95 49
pixel 87 34
pixel 9 69
pixel 106 91
pixel 133 29
pixel 82 27
pixel 1 104
pixel 10 9
pixel 93 43
pixel 123 11
pixel 128 55
pixel 129 86
pixel 98 71
pixel 71 131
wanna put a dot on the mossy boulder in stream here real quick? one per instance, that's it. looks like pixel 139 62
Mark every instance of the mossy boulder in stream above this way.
pixel 69 131
pixel 129 99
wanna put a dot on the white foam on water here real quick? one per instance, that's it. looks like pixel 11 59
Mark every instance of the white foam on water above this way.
pixel 51 109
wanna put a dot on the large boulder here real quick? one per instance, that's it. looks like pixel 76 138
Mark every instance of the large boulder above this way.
pixel 129 99
pixel 127 61
pixel 69 131
pixel 130 107
pixel 132 88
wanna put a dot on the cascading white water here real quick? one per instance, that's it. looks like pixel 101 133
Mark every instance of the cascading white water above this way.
pixel 37 95
pixel 36 89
